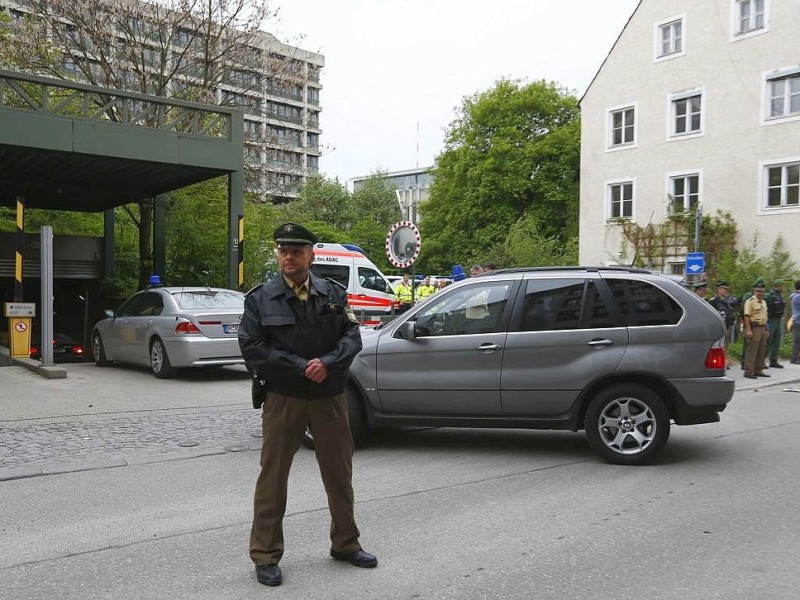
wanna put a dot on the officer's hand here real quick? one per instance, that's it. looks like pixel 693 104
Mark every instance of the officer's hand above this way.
pixel 316 370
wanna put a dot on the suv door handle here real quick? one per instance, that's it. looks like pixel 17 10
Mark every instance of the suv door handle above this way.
pixel 489 347
pixel 599 342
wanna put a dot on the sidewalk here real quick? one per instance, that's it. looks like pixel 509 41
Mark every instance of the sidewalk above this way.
pixel 786 377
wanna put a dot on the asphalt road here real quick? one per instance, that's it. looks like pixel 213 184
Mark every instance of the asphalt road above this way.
pixel 450 514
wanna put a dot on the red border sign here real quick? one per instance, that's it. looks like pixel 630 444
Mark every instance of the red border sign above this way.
pixel 395 230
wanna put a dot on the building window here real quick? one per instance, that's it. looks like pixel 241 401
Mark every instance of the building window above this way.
pixel 620 198
pixel 684 192
pixel 782 185
pixel 686 114
pixel 783 95
pixel 750 16
pixel 670 38
pixel 622 127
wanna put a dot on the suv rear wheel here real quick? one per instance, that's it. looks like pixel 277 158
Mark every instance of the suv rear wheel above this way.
pixel 627 424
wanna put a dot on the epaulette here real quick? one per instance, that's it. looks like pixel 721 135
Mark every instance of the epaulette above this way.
pixel 253 289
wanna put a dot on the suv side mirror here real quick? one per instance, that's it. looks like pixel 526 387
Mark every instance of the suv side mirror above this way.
pixel 109 313
pixel 407 330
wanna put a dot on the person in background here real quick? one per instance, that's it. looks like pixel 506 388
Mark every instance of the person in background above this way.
pixel 700 289
pixel 794 299
pixel 299 336
pixel 776 308
pixel 755 330
pixel 489 266
pixel 475 270
pixel 404 294
pixel 425 289
pixel 442 283
pixel 721 301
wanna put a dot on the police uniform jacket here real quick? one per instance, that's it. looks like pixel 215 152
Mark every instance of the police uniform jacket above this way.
pixel 279 334
pixel 775 305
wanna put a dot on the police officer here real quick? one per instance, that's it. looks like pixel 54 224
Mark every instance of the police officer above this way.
pixel 299 336
pixel 755 330
pixel 776 307
pixel 404 294
pixel 426 289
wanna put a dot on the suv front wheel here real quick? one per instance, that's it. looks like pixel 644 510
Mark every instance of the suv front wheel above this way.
pixel 627 424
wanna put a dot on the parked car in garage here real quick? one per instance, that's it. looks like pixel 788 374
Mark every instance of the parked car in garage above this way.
pixel 65 349
pixel 166 328
pixel 618 352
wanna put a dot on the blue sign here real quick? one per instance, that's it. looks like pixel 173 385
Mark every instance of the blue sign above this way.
pixel 695 262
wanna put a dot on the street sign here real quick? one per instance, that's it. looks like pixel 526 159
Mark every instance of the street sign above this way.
pixel 19 309
pixel 695 263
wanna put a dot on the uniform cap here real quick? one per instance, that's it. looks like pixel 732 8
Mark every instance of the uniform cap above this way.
pixel 293 235
pixel 723 283
pixel 759 283
pixel 777 282
pixel 702 284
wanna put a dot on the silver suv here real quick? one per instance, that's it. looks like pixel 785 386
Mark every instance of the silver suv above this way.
pixel 618 352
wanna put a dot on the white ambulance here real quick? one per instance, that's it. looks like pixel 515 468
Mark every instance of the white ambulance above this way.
pixel 368 292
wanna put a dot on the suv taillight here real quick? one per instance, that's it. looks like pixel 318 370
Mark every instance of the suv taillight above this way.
pixel 186 327
pixel 715 359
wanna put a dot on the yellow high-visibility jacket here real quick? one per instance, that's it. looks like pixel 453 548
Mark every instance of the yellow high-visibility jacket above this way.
pixel 424 291
pixel 403 293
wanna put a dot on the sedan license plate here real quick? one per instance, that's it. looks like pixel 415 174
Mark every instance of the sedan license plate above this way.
pixel 231 328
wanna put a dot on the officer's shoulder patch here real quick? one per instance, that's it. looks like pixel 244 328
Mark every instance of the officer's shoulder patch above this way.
pixel 350 314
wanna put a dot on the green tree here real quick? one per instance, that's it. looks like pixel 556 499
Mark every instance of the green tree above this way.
pixel 511 151
pixel 527 246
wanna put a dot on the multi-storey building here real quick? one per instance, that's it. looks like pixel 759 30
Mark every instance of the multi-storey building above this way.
pixel 276 85
pixel 697 105
pixel 412 187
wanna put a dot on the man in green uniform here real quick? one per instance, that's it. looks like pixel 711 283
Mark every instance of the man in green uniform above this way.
pixel 299 336
pixel 775 309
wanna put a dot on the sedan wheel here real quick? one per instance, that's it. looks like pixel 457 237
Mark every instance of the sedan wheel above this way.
pixel 627 424
pixel 98 352
pixel 159 361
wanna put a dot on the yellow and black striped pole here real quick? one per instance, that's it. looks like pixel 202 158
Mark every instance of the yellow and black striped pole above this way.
pixel 241 251
pixel 19 244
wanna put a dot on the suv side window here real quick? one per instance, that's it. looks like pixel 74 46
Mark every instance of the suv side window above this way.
pixel 472 309
pixel 552 304
pixel 642 303
pixel 596 314
pixel 371 279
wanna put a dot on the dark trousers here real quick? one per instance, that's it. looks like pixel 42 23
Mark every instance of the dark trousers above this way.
pixel 796 343
pixel 755 349
pixel 282 422
pixel 775 339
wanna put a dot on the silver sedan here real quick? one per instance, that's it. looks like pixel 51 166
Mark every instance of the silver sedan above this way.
pixel 165 328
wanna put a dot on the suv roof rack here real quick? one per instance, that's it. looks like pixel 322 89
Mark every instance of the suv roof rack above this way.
pixel 587 269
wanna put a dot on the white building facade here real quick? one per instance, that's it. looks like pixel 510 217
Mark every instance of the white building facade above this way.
pixel 697 104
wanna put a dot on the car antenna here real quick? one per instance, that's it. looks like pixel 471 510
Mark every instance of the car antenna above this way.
pixel 636 253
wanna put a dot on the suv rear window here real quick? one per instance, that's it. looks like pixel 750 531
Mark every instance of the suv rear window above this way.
pixel 642 303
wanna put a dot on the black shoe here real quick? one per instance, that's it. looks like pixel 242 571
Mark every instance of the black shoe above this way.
pixel 762 375
pixel 269 574
pixel 776 365
pixel 750 375
pixel 359 558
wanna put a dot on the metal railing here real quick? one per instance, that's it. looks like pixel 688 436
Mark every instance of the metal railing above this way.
pixel 22 91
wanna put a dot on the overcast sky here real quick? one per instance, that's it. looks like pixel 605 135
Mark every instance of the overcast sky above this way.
pixel 393 64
